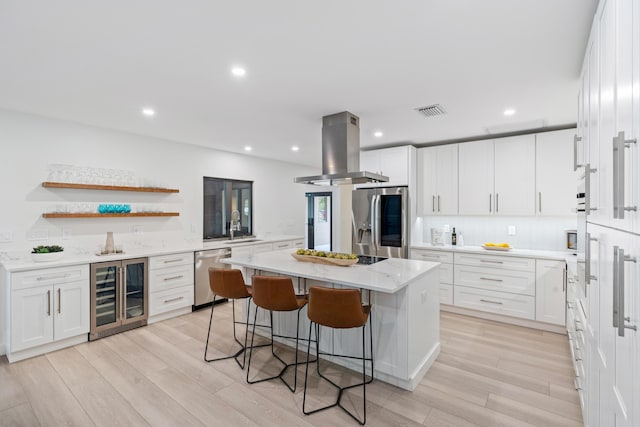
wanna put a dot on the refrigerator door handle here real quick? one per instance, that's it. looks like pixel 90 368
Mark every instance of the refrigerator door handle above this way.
pixel 377 230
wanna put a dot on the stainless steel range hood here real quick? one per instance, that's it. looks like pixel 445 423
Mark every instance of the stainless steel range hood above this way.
pixel 341 153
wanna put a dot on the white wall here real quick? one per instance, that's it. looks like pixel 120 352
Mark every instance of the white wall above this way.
pixel 544 233
pixel 30 143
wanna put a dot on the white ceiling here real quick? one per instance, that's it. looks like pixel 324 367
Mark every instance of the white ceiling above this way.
pixel 101 62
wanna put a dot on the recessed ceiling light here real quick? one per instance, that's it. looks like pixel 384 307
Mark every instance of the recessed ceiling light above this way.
pixel 148 112
pixel 247 148
pixel 378 134
pixel 509 112
pixel 238 71
pixel 295 148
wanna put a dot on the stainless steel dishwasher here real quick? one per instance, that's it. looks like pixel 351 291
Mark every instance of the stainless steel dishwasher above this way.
pixel 204 260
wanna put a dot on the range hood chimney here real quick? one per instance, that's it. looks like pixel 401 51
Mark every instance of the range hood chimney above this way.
pixel 341 153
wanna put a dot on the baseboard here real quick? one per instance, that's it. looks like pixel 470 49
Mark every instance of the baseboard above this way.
pixel 47 348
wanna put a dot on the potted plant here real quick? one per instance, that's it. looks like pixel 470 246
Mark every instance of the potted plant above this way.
pixel 47 253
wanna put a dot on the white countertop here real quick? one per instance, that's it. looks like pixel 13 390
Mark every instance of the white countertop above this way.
pixel 529 253
pixel 387 276
pixel 24 262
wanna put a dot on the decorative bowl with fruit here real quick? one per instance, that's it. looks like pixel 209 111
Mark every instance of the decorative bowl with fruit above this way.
pixel 497 246
pixel 324 257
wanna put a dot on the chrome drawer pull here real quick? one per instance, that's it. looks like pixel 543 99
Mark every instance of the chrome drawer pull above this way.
pixel 173 278
pixel 173 260
pixel 167 301
pixel 61 276
pixel 493 262
pixel 492 302
pixel 490 279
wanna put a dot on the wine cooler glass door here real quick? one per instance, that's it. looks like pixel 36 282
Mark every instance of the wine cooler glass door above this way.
pixel 135 289
pixel 105 296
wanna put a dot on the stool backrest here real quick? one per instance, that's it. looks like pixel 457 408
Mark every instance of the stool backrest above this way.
pixel 274 293
pixel 227 283
pixel 336 308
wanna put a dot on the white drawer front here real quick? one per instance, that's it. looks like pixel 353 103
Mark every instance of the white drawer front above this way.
pixel 49 276
pixel 262 247
pixel 495 302
pixel 298 243
pixel 171 260
pixel 446 294
pixel 170 299
pixel 446 274
pixel 517 282
pixel 282 245
pixel 168 278
pixel 432 255
pixel 497 261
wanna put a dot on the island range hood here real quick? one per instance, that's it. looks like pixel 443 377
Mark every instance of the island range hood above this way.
pixel 341 153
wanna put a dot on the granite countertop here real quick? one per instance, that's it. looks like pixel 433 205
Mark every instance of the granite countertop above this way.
pixel 529 253
pixel 387 276
pixel 24 262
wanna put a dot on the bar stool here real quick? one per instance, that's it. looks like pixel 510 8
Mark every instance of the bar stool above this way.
pixel 228 283
pixel 275 293
pixel 339 309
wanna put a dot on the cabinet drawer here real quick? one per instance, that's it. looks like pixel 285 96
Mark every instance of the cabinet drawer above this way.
pixel 446 294
pixel 497 261
pixel 49 276
pixel 262 247
pixel 170 299
pixel 446 274
pixel 298 243
pixel 432 255
pixel 495 302
pixel 495 279
pixel 282 245
pixel 171 260
pixel 173 277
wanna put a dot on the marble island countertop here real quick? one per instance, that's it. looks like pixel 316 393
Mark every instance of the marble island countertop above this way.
pixel 387 276
pixel 23 261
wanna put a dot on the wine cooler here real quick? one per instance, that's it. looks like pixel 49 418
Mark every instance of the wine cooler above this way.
pixel 119 296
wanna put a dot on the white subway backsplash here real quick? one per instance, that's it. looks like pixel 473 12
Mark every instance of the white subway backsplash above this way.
pixel 544 233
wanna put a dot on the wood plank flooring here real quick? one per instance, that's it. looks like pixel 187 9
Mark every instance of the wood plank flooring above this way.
pixel 488 374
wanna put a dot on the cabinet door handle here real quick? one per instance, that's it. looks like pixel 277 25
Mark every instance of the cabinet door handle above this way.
pixel 564 280
pixel 491 261
pixel 59 301
pixel 438 203
pixel 540 201
pixel 492 302
pixel 168 261
pixel 490 279
pixel 173 278
pixel 489 202
pixel 619 145
pixel 285 245
pixel 619 318
pixel 49 303
pixel 497 202
pixel 433 203
pixel 576 138
pixel 588 170
pixel 167 301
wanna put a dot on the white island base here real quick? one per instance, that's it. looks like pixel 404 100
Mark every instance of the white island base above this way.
pixel 405 314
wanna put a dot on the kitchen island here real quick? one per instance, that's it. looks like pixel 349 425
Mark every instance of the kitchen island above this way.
pixel 405 310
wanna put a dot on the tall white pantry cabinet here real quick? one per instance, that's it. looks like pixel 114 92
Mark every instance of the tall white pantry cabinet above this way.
pixel 607 153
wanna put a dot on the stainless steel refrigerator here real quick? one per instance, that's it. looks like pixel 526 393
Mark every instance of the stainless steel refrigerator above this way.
pixel 380 222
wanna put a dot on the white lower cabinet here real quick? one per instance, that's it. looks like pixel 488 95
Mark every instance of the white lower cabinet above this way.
pixel 48 305
pixel 550 291
pixel 171 285
pixel 514 305
pixel 446 270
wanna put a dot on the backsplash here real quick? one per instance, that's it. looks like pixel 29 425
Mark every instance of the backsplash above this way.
pixel 543 233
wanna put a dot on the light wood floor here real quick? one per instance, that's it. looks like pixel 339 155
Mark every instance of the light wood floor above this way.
pixel 487 374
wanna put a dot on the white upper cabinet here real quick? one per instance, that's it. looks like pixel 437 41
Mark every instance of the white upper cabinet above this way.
pixel 398 163
pixel 515 175
pixel 555 179
pixel 475 172
pixel 438 180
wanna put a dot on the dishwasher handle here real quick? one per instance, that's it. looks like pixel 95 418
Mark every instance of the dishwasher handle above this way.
pixel 215 254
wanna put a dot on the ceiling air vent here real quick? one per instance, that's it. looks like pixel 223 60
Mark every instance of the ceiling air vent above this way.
pixel 431 110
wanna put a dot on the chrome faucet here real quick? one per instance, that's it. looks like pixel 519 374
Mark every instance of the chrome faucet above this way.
pixel 235 223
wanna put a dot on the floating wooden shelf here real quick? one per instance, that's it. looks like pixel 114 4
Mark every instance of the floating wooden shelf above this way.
pixel 109 187
pixel 108 215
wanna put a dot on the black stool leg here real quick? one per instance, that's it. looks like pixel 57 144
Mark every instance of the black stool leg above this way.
pixel 243 347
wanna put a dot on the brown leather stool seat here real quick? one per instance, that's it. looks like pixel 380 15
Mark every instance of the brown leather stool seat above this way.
pixel 229 283
pixel 276 293
pixel 339 309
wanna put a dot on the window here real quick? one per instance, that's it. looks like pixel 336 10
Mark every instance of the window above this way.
pixel 227 205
